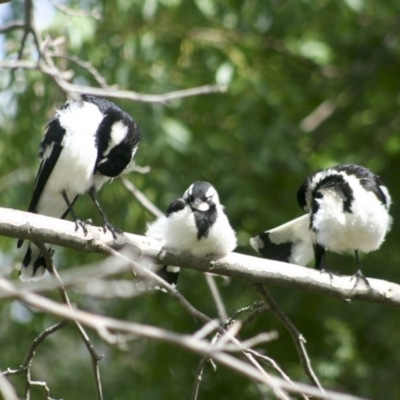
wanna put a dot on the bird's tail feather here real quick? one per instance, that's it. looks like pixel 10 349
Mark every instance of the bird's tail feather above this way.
pixel 33 265
pixel 168 273
pixel 291 242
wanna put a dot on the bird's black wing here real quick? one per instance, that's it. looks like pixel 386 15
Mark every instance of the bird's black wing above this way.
pixel 116 161
pixel 113 162
pixel 170 275
pixel 52 140
pixel 273 251
pixel 175 206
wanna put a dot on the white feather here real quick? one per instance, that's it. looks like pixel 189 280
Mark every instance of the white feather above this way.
pixel 118 133
pixel 363 229
pixel 178 232
pixel 26 273
pixel 73 171
pixel 297 233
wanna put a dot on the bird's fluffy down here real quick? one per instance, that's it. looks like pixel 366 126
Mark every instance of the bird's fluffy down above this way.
pixel 195 224
pixel 178 231
pixel 347 208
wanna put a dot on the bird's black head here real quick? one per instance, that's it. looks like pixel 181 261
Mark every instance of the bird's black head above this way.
pixel 201 196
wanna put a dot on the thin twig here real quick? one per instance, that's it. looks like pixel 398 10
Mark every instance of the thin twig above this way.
pixel 6 389
pixel 198 315
pixel 254 306
pixel 95 14
pixel 297 337
pixel 141 198
pixel 276 367
pixel 254 314
pixel 202 347
pixel 199 377
pixel 27 364
pixel 223 316
pixel 75 90
pixel 12 25
pixel 95 358
pixel 27 26
pixel 85 65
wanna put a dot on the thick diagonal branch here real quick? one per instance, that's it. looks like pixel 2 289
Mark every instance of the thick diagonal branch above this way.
pixel 19 224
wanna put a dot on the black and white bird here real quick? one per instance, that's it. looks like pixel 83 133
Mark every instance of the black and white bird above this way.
pixel 86 143
pixel 194 224
pixel 347 209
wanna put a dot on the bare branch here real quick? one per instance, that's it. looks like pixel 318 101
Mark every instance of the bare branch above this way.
pixel 202 347
pixel 12 25
pixel 199 377
pixel 12 64
pixel 258 307
pixel 27 365
pixel 130 95
pixel 27 27
pixel 95 358
pixel 75 90
pixel 275 366
pixel 223 316
pixel 297 337
pixel 6 389
pixel 95 14
pixel 85 65
pixel 141 198
pixel 19 224
pixel 31 353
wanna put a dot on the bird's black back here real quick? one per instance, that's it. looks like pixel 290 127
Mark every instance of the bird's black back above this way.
pixel 368 180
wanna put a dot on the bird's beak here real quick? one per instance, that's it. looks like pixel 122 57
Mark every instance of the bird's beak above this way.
pixel 200 205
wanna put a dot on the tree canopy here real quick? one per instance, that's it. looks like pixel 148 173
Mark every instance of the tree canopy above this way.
pixel 309 84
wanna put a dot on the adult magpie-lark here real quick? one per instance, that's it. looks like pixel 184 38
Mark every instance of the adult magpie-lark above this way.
pixel 347 209
pixel 86 143
pixel 194 224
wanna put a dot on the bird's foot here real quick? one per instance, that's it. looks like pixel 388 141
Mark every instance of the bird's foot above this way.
pixel 330 273
pixel 89 221
pixel 80 224
pixel 359 276
pixel 114 231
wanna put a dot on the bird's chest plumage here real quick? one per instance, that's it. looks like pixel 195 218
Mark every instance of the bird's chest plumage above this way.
pixel 199 233
pixel 339 224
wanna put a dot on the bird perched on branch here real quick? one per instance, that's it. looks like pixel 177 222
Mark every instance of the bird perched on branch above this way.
pixel 194 224
pixel 86 143
pixel 347 209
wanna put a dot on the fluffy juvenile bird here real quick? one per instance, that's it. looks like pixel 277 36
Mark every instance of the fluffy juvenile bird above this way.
pixel 348 209
pixel 195 224
pixel 86 143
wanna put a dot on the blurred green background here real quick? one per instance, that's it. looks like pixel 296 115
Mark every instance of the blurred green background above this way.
pixel 310 84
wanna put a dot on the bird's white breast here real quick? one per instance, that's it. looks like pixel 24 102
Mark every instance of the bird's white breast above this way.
pixel 363 228
pixel 221 239
pixel 179 232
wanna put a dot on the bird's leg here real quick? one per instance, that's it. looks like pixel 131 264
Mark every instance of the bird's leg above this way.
pixel 106 224
pixel 78 221
pixel 319 252
pixel 359 275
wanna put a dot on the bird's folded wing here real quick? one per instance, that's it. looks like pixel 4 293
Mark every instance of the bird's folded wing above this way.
pixel 50 150
pixel 290 242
